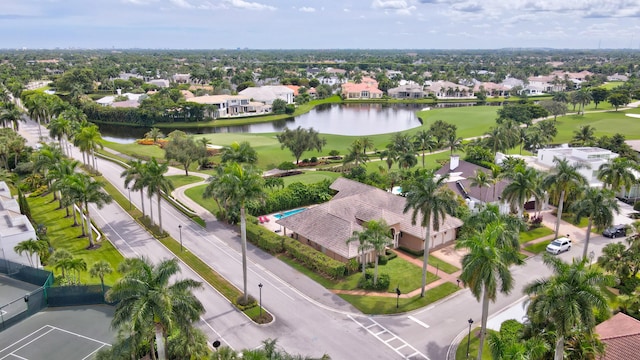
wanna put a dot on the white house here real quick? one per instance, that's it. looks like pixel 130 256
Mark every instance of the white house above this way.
pixel 14 227
pixel 267 94
pixel 590 157
pixel 232 105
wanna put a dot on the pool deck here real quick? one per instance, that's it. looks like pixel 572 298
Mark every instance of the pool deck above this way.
pixel 271 223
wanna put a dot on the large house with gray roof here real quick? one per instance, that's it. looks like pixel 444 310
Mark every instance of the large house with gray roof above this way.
pixel 327 227
pixel 14 227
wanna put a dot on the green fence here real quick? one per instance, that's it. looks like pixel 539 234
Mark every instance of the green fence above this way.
pixel 76 295
pixel 21 308
pixel 26 273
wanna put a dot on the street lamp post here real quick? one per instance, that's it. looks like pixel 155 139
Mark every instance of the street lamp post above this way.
pixel 469 337
pixel 260 303
pixel 180 228
pixel 398 297
pixel 129 189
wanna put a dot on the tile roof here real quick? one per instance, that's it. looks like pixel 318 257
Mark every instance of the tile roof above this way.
pixel 621 335
pixel 462 173
pixel 331 223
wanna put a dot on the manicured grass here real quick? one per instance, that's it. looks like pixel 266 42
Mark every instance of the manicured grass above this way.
pixel 182 180
pixel 441 264
pixel 570 218
pixel 311 177
pixel 533 234
pixel 402 273
pixel 387 305
pixel 605 123
pixel 537 248
pixel 134 149
pixel 195 194
pixel 612 84
pixel 461 353
pixel 63 235
pixel 470 120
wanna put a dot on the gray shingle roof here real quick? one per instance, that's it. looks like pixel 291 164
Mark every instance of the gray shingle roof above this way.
pixel 332 223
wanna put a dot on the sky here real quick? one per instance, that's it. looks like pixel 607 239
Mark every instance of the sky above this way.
pixel 320 24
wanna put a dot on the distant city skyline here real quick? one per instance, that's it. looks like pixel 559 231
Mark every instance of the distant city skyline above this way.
pixel 315 24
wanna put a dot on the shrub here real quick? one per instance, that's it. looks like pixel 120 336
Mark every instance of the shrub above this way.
pixel 366 282
pixel 264 239
pixel 24 168
pixel 314 260
pixel 352 266
pixel 535 222
pixel 39 191
pixel 290 109
pixel 412 252
pixel 313 159
pixel 334 153
pixel 383 260
pixel 251 302
pixel 636 206
pixel 304 161
pixel 145 142
pixel 287 165
pixel 391 254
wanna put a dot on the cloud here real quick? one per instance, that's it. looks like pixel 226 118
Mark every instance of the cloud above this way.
pixel 307 9
pixel 346 10
pixel 249 5
pixel 139 2
pixel 401 7
pixel 182 4
pixel 469 7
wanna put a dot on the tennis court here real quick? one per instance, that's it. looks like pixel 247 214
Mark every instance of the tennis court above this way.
pixel 76 332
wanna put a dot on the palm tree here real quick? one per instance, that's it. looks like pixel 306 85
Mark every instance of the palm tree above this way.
pixel 60 128
pixel 425 142
pixel 31 247
pixel 241 153
pixel 87 191
pixel 237 186
pixel 60 260
pixel 454 142
pixel 485 269
pixel 521 188
pixel 563 177
pixel 427 199
pixel 147 296
pixel 136 173
pixel 154 134
pixel 363 247
pixel 77 265
pixel 598 206
pixel 480 180
pixel 618 173
pixel 157 184
pixel 356 153
pixel 56 176
pixel 11 115
pixel 407 160
pixel 583 97
pixel 584 136
pixel 567 299
pixel 376 234
pixel 99 270
pixel 88 139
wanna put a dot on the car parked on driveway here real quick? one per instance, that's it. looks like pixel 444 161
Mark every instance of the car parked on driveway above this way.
pixel 615 231
pixel 559 245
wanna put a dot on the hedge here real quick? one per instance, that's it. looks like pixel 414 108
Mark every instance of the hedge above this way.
pixel 265 239
pixel 314 260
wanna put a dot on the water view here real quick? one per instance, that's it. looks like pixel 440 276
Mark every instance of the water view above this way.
pixel 339 119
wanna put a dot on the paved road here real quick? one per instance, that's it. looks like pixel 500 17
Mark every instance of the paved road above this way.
pixel 309 319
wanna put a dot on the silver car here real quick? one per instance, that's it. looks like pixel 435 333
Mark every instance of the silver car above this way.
pixel 559 245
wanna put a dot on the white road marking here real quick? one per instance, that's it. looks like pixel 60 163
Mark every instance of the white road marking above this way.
pixel 418 321
pixel 387 341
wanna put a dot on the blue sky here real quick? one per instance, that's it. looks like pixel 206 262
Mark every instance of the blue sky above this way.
pixel 316 24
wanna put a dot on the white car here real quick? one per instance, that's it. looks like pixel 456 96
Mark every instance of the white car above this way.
pixel 559 245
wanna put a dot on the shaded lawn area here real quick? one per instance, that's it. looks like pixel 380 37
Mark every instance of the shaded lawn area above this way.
pixel 182 180
pixel 63 235
pixel 387 305
pixel 538 247
pixel 461 353
pixel 533 234
pixel 570 218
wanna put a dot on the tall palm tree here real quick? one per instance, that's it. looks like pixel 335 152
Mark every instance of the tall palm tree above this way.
pixel 60 260
pixel 100 269
pixel 566 300
pixel 56 176
pixel 240 153
pixel 11 116
pixel 598 206
pixel 146 296
pixel 425 142
pixel 88 191
pixel 60 128
pixel 584 136
pixel 563 177
pixel 356 153
pixel 136 173
pixel 157 184
pixel 428 201
pixel 583 98
pixel 376 234
pixel 618 173
pixel 239 185
pixel 77 265
pixel 485 269
pixel 454 142
pixel 30 247
pixel 363 247
pixel 480 180
pixel 521 188
pixel 88 139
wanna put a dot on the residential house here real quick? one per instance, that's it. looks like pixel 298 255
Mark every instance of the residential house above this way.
pixel 231 105
pixel 267 94
pixel 491 89
pixel 459 181
pixel 367 89
pixel 448 90
pixel 133 100
pixel 331 80
pixel 181 78
pixel 411 91
pixel 533 89
pixel 327 227
pixel 589 157
pixel 161 83
pixel 621 337
pixel 617 77
pixel 511 83
pixel 14 227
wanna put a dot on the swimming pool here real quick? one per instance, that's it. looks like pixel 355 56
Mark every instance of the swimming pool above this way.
pixel 283 215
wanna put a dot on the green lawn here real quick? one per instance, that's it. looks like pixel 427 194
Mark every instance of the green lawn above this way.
pixel 311 177
pixel 438 263
pixel 568 217
pixel 605 123
pixel 402 273
pixel 461 353
pixel 538 247
pixel 470 120
pixel 63 235
pixel 387 305
pixel 182 180
pixel 533 234
pixel 195 194
pixel 134 149
pixel 612 84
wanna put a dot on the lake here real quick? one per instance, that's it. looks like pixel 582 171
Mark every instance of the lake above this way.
pixel 338 119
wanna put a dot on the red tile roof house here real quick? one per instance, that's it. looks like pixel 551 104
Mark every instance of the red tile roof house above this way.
pixel 327 227
pixel 621 336
pixel 367 89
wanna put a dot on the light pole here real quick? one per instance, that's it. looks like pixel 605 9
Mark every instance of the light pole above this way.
pixel 129 190
pixel 260 303
pixel 469 337
pixel 592 254
pixel 180 228
pixel 398 297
